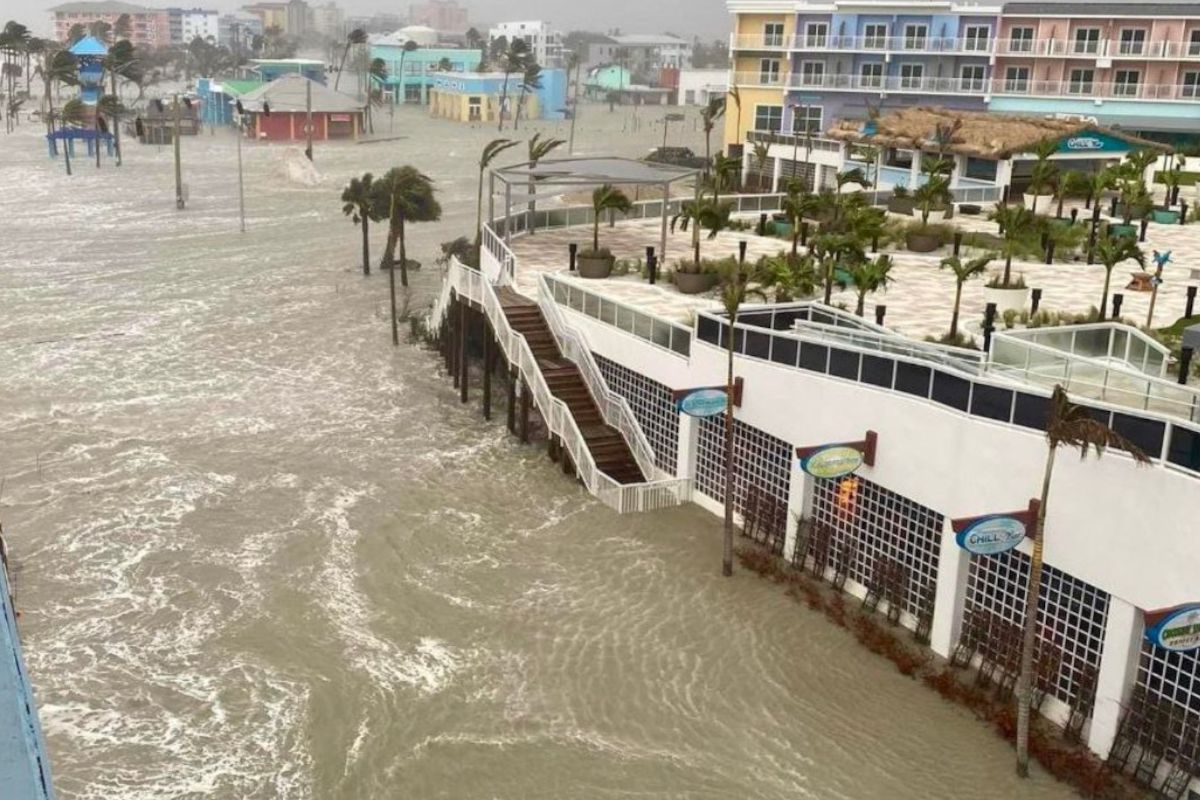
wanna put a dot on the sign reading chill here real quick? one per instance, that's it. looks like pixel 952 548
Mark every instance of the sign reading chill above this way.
pixel 1176 629
pixel 831 461
pixel 993 534
pixel 704 403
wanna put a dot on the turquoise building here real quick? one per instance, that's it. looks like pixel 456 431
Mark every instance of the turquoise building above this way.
pixel 411 73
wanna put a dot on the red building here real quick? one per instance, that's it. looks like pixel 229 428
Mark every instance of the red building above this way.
pixel 334 115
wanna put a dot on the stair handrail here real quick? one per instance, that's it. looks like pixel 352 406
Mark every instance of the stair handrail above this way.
pixel 614 408
pixel 441 304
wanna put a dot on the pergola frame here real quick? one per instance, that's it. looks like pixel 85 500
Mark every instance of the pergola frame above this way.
pixel 582 172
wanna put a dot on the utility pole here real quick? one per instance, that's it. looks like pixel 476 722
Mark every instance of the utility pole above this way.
pixel 179 201
pixel 308 126
pixel 574 109
pixel 240 132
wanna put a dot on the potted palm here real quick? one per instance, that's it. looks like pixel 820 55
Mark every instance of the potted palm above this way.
pixel 598 262
pixel 696 276
pixel 1135 203
pixel 1041 179
pixel 1171 179
pixel 930 198
pixel 869 276
pixel 963 272
pixel 1112 250
pixel 1018 226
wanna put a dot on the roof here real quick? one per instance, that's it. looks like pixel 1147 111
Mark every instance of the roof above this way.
pixel 982 134
pixel 288 62
pixel 287 93
pixel 88 46
pixel 590 171
pixel 648 39
pixel 236 88
pixel 1132 8
pixel 101 7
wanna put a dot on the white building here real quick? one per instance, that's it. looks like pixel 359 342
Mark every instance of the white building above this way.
pixel 544 43
pixel 698 86
pixel 328 20
pixel 237 31
pixel 199 22
pixel 652 51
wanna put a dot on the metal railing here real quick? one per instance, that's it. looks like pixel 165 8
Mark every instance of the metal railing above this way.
pixel 495 245
pixel 622 498
pixel 672 337
pixel 795 140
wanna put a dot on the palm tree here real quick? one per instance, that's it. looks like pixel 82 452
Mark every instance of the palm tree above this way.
pixel 108 114
pixel 1044 171
pixel 1017 224
pixel 1069 184
pixel 798 204
pixel 1072 426
pixel 121 63
pixel 444 65
pixel 402 195
pixel 1112 250
pixel 762 153
pixel 725 169
pixel 606 198
pixel 734 282
pixel 708 117
pixel 790 275
pixel 73 114
pixel 123 27
pixel 1100 183
pixel 357 203
pixel 736 96
pixel 963 272
pixel 531 81
pixel 869 276
pixel 844 179
pixel 513 60
pixel 354 37
pixel 409 47
pixel 75 33
pixel 490 151
pixel 100 29
pixel 377 73
pixel 539 148
pixel 57 67
pixel 832 250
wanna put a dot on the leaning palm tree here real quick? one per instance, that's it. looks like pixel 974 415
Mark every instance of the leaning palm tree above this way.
pixel 736 97
pixel 120 63
pixel 73 115
pixel 108 115
pixel 726 171
pixel 513 60
pixel 963 272
pixel 357 203
pixel 606 198
pixel 531 81
pixel 539 148
pixel 735 279
pixel 1067 425
pixel 402 195
pixel 797 204
pixel 409 47
pixel 708 118
pixel 1112 250
pixel 869 276
pixel 355 37
pixel 490 151
pixel 761 155
pixel 1017 226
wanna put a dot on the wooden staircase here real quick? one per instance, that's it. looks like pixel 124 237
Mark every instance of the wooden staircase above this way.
pixel 606 444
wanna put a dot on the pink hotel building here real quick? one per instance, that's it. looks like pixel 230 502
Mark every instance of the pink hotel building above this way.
pixel 149 27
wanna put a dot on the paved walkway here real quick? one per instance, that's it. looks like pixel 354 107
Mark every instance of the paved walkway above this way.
pixel 920 299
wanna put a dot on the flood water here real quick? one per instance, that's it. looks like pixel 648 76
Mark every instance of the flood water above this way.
pixel 262 554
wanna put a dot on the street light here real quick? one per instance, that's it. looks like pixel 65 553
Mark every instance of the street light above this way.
pixel 176 108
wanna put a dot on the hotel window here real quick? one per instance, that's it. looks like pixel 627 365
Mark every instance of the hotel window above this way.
pixel 768 71
pixel 1016 79
pixel 1081 81
pixel 870 76
pixel 1087 40
pixel 1191 84
pixel 1194 43
pixel 1126 83
pixel 971 78
pixel 976 38
pixel 773 34
pixel 768 118
pixel 806 119
pixel 1133 42
pixel 916 37
pixel 911 75
pixel 812 73
pixel 875 37
pixel 816 34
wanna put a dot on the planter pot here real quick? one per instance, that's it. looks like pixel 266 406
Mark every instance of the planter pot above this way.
pixel 783 229
pixel 594 266
pixel 1120 229
pixel 901 205
pixel 695 282
pixel 919 242
pixel 936 215
pixel 1165 216
pixel 1006 299
pixel 1137 214
pixel 1043 201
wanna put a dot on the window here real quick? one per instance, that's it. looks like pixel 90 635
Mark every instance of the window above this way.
pixel 1081 81
pixel 1191 84
pixel 1087 40
pixel 812 73
pixel 474 108
pixel 875 37
pixel 768 71
pixel 1133 42
pixel 652 404
pixel 971 78
pixel 816 34
pixel 916 37
pixel 806 119
pixel 773 34
pixel 1194 43
pixel 1016 79
pixel 976 38
pixel 870 76
pixel 911 75
pixel 768 118
pixel 1126 83
pixel 759 459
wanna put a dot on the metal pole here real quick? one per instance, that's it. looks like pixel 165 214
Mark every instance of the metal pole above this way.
pixel 574 110
pixel 241 183
pixel 308 126
pixel 179 203
pixel 663 235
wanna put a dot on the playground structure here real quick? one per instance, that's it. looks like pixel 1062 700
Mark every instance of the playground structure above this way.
pixel 89 53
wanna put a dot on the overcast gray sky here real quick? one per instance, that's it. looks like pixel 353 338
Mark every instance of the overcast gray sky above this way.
pixel 706 18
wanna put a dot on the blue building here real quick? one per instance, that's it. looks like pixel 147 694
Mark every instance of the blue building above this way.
pixel 479 96
pixel 411 73
pixel 269 69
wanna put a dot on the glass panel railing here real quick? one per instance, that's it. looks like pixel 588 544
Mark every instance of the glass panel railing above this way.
pixel 667 334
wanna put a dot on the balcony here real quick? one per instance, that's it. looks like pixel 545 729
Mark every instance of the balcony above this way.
pixel 768 79
pixel 758 41
pixel 1104 48
pixel 794 140
pixel 1096 90
pixel 891 83
pixel 830 43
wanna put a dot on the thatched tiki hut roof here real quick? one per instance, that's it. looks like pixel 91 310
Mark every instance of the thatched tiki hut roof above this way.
pixel 971 133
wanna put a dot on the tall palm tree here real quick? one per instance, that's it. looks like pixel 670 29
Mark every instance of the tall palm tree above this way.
pixel 761 154
pixel 403 195
pixel 531 81
pixel 726 171
pixel 1100 183
pixel 869 276
pixel 1112 250
pixel 606 198
pixel 377 73
pixel 490 151
pixel 120 63
pixel 513 60
pixel 73 115
pixel 797 204
pixel 574 65
pixel 1018 225
pixel 539 148
pixel 355 37
pixel 963 272
pixel 101 30
pixel 409 47
pixel 107 118
pixel 736 97
pixel 1067 425
pixel 358 204
pixel 708 118
pixel 734 284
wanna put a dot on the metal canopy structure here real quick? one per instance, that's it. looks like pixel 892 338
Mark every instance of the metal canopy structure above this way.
pixel 530 179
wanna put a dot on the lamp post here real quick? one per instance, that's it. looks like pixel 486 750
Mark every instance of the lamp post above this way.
pixel 177 103
pixel 240 132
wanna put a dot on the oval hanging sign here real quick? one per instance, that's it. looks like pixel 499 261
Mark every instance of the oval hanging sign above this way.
pixel 704 403
pixel 1179 630
pixel 835 461
pixel 989 536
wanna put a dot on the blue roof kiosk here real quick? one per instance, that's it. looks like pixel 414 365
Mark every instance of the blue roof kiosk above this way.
pixel 89 53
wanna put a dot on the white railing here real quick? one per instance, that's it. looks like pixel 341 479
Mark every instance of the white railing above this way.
pixel 672 337
pixel 441 305
pixel 1117 91
pixel 494 244
pixel 795 140
pixel 622 498
pixel 613 407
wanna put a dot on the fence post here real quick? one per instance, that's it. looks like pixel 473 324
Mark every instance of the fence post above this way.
pixel 1191 302
pixel 1185 365
pixel 880 313
pixel 762 224
pixel 1118 299
pixel 1142 232
pixel 958 237
pixel 573 249
pixel 1036 301
pixel 989 325
pixel 742 251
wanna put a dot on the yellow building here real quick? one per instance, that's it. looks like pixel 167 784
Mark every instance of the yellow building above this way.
pixel 759 70
pixel 478 97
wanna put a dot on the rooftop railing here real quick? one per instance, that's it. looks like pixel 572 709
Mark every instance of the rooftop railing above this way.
pixel 672 337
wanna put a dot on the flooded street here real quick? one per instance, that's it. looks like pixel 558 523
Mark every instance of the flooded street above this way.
pixel 262 554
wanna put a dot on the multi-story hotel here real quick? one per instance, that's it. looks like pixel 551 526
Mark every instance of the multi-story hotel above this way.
pixel 148 27
pixel 800 64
